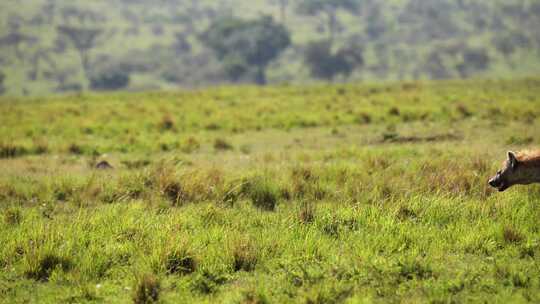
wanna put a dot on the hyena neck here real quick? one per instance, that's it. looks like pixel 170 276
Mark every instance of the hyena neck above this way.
pixel 536 178
pixel 531 174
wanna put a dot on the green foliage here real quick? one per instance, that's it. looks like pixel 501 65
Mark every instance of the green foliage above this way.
pixel 158 45
pixel 326 64
pixel 328 8
pixel 83 39
pixel 318 6
pixel 241 44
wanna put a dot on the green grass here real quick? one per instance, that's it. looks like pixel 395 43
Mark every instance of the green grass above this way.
pixel 323 194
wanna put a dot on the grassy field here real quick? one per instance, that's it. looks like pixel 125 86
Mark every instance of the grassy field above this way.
pixel 312 194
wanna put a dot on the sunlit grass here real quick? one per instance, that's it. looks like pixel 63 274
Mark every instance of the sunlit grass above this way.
pixel 308 203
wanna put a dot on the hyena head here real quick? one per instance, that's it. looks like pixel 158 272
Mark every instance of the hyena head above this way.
pixel 512 173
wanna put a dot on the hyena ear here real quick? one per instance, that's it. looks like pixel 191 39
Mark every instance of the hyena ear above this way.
pixel 512 159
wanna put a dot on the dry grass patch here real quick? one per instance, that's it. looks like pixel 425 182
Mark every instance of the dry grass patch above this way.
pixel 263 193
pixel 12 216
pixel 166 123
pixel 306 214
pixel 180 261
pixel 244 255
pixel 8 150
pixel 147 289
pixel 511 235
pixel 221 144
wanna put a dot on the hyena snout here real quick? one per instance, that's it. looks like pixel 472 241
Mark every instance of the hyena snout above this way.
pixel 498 182
pixel 493 182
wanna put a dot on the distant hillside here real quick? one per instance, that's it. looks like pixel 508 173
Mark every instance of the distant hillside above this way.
pixel 49 46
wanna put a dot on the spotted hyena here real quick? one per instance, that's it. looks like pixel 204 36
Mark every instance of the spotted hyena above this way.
pixel 521 168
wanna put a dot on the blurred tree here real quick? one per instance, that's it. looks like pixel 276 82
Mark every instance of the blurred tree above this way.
pixel 507 43
pixel 431 20
pixel 434 66
pixel 48 10
pixel 181 44
pixel 15 22
pixel 83 39
pixel 327 9
pixel 376 24
pixel 246 47
pixel 41 55
pixel 2 87
pixel 194 69
pixel 17 40
pixel 475 60
pixel 64 78
pixel 325 64
pixel 158 30
pixel 110 80
pixel 504 45
pixel 283 5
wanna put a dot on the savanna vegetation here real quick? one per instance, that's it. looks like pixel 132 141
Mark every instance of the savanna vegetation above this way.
pixel 301 194
pixel 56 46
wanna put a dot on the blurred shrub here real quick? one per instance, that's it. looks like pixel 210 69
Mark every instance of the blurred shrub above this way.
pixel 193 69
pixel 474 60
pixel 325 63
pixel 69 87
pixel 112 80
pixel 9 150
pixel 2 87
